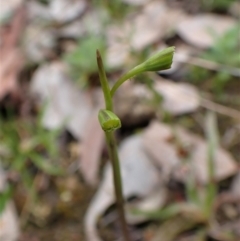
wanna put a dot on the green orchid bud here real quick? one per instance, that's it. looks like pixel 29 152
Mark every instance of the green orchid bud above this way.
pixel 159 61
pixel 108 120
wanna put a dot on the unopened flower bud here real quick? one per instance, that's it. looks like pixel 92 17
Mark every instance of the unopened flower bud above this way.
pixel 108 120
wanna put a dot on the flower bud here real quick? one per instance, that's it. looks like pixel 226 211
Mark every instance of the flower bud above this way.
pixel 159 61
pixel 108 120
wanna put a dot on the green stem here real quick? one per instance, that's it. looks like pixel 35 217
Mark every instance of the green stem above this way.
pixel 104 83
pixel 124 78
pixel 112 149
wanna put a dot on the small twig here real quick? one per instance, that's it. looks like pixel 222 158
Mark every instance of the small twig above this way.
pixel 221 109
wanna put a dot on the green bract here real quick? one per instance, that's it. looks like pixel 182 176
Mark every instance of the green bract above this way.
pixel 108 120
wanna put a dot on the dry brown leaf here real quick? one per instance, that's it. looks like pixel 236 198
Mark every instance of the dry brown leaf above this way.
pixel 66 10
pixel 10 55
pixel 74 109
pixel 178 98
pixel 135 165
pixel 225 165
pixel 91 149
pixel 39 42
pixel 117 54
pixel 155 22
pixel 202 30
pixel 9 69
pixel 8 7
pixel 132 101
pixel 140 30
pixel 235 9
pixel 38 11
pixel 118 50
pixel 169 146
pixel 9 226
pixel 136 2
pixel 9 230
pixel 92 23
pixel 235 189
pixel 156 144
pixel 65 103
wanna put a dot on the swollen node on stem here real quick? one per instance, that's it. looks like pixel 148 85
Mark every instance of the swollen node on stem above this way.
pixel 108 120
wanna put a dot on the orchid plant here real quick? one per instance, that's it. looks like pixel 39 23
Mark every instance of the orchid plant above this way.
pixel 110 122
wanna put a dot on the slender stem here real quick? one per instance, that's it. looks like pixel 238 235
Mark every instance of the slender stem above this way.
pixel 104 83
pixel 112 149
pixel 125 77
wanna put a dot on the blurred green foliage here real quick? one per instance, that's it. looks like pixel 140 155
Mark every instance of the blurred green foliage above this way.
pixel 26 148
pixel 218 5
pixel 117 9
pixel 82 60
pixel 5 195
pixel 226 52
pixel 26 141
pixel 226 49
